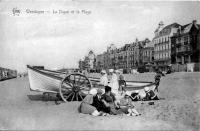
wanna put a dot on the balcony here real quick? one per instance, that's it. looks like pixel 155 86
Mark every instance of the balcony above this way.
pixel 183 49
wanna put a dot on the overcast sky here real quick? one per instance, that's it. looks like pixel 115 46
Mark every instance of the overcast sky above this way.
pixel 60 40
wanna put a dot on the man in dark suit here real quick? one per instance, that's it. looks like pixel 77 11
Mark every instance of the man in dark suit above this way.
pixel 98 103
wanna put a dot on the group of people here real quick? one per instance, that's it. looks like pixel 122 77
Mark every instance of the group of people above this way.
pixel 115 100
pixel 98 103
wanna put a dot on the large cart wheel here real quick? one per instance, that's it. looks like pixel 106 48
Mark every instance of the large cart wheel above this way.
pixel 74 87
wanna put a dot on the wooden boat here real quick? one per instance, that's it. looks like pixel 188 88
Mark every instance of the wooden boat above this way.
pixel 69 87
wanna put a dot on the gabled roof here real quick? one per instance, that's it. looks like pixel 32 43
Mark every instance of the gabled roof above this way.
pixel 174 25
pixel 167 29
pixel 186 28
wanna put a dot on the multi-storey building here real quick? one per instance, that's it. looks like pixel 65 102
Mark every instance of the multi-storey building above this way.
pixel 148 53
pixel 185 44
pixel 162 44
pixel 123 57
pixel 131 55
pixel 138 51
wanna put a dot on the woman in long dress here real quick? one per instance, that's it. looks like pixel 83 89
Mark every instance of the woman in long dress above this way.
pixel 114 84
pixel 103 79
pixel 86 105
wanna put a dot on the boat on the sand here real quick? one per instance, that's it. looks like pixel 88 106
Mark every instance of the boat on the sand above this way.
pixel 70 87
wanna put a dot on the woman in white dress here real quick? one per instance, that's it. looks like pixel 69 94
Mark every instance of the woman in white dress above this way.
pixel 114 84
pixel 103 79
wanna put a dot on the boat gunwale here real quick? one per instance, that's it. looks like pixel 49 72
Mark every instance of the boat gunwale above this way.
pixel 127 81
pixel 44 73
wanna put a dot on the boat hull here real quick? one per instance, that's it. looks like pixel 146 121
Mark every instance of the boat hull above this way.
pixel 50 81
pixel 43 82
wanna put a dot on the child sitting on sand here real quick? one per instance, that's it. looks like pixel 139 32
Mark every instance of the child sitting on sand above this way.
pixel 127 102
pixel 150 94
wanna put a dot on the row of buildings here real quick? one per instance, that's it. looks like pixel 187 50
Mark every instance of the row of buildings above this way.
pixel 175 46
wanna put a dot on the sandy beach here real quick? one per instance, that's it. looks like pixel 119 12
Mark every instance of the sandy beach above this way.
pixel 22 109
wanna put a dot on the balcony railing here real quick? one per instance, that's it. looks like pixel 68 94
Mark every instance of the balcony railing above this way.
pixel 183 49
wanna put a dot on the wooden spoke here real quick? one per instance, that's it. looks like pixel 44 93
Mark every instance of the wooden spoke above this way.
pixel 72 84
pixel 76 96
pixel 82 82
pixel 84 87
pixel 67 86
pixel 80 95
pixel 64 91
pixel 79 79
pixel 74 79
pixel 69 95
pixel 73 96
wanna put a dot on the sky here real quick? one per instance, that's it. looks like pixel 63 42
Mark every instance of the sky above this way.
pixel 57 40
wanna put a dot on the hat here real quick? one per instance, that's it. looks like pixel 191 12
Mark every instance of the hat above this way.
pixel 128 93
pixel 137 91
pixel 99 91
pixel 93 92
pixel 142 94
pixel 103 71
pixel 146 89
pixel 111 70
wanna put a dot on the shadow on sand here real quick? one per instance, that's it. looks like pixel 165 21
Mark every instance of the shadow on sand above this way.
pixel 41 97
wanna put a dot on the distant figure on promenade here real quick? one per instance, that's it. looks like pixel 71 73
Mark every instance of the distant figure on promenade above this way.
pixel 103 78
pixel 86 105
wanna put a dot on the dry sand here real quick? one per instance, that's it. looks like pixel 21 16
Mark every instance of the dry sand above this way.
pixel 22 109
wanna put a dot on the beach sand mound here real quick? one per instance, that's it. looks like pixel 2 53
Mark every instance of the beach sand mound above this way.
pixel 181 94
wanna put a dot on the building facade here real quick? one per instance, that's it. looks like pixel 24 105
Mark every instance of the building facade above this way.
pixel 185 44
pixel 148 54
pixel 162 44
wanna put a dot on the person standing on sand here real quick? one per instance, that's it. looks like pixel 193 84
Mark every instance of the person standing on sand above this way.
pixel 114 84
pixel 157 78
pixel 122 83
pixel 86 105
pixel 103 78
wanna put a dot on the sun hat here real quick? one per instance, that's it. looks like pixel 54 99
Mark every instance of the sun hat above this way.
pixel 146 89
pixel 128 93
pixel 111 70
pixel 93 92
pixel 99 91
pixel 103 71
pixel 142 94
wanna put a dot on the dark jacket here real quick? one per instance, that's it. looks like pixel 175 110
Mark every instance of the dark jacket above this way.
pixel 97 102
